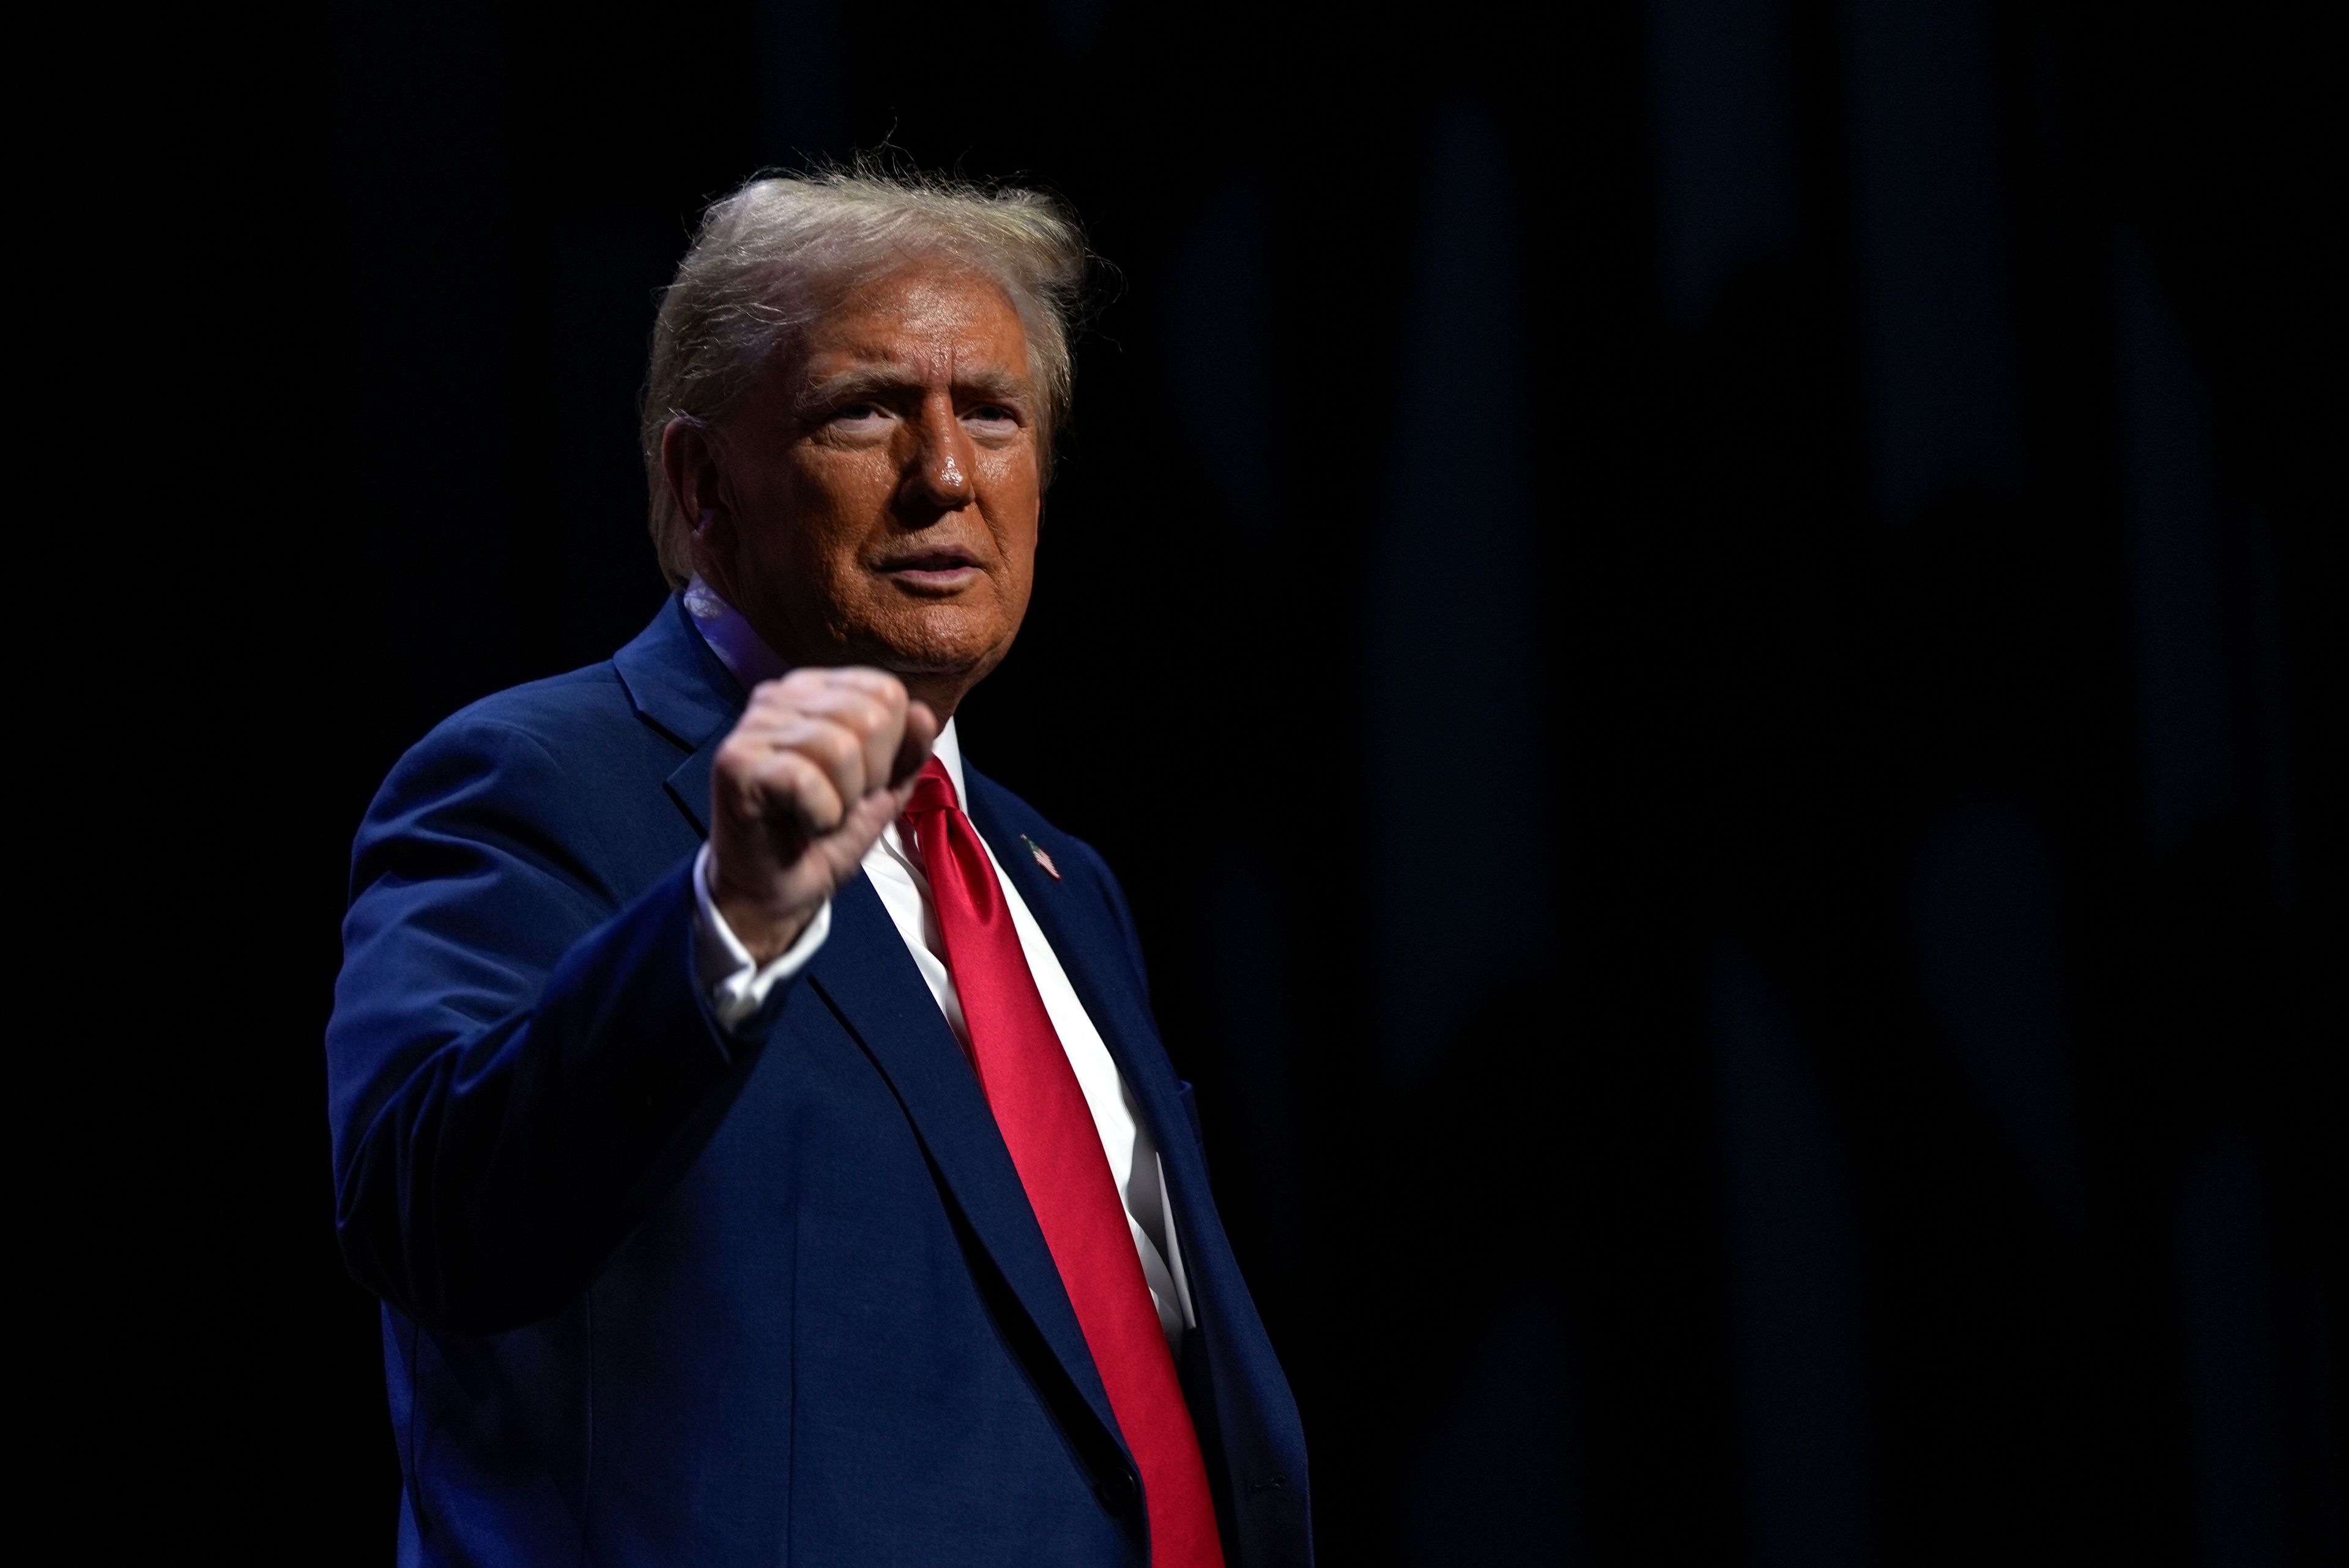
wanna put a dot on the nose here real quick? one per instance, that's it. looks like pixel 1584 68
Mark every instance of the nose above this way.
pixel 939 477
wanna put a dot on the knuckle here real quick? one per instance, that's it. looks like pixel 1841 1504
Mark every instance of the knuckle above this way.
pixel 877 684
pixel 786 768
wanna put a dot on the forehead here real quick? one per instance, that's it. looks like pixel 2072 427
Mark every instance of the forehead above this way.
pixel 926 319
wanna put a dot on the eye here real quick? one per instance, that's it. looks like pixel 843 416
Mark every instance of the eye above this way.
pixel 991 419
pixel 860 417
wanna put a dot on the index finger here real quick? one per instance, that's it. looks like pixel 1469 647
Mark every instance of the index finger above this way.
pixel 922 728
pixel 853 691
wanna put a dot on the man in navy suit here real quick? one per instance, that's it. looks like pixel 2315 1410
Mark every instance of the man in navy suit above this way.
pixel 751 1115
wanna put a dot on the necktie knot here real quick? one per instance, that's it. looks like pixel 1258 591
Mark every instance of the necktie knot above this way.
pixel 933 791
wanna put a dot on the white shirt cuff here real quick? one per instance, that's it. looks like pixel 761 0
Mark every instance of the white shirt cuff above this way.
pixel 737 987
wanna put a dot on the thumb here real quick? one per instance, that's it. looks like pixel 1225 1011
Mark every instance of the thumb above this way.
pixel 845 847
pixel 922 729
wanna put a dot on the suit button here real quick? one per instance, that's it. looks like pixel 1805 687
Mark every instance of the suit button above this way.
pixel 1118 1492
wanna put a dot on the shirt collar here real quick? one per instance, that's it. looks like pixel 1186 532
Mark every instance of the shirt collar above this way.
pixel 728 632
pixel 741 650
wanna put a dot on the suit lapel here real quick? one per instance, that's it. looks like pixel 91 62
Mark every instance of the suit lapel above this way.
pixel 1229 1366
pixel 681 689
pixel 863 970
pixel 689 783
pixel 1093 955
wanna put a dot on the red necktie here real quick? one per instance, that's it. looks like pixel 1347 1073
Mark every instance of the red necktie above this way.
pixel 1057 1149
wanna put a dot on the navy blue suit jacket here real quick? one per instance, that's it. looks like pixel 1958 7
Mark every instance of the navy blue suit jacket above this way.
pixel 658 1294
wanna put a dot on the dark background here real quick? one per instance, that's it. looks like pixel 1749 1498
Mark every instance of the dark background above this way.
pixel 1703 632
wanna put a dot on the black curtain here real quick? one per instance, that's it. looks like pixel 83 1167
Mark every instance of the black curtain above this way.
pixel 1701 632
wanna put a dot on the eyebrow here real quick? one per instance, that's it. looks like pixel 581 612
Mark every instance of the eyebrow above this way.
pixel 878 379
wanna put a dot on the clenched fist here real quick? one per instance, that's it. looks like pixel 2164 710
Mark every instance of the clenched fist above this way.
pixel 819 764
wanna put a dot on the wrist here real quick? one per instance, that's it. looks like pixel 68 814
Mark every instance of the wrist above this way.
pixel 765 930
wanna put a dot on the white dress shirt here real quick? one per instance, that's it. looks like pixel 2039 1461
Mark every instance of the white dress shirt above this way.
pixel 738 988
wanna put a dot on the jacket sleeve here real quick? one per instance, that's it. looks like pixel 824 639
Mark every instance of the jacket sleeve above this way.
pixel 519 1063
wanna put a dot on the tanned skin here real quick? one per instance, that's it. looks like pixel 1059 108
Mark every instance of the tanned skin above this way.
pixel 870 505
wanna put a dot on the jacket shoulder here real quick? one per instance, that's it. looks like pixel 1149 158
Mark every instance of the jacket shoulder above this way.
pixel 564 759
pixel 646 707
pixel 561 713
pixel 580 724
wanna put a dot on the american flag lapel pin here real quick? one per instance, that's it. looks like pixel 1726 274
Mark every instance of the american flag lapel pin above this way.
pixel 1041 858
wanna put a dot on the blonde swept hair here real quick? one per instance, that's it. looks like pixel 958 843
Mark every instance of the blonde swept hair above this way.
pixel 776 253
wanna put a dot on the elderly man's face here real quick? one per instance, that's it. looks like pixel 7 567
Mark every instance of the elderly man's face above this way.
pixel 878 490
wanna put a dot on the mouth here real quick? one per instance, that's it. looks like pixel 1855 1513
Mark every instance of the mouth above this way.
pixel 937 570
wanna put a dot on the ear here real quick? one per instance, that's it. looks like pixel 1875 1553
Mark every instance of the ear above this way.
pixel 691 462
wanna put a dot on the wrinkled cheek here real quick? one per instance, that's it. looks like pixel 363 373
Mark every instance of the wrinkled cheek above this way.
pixel 1015 598
pixel 1019 563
